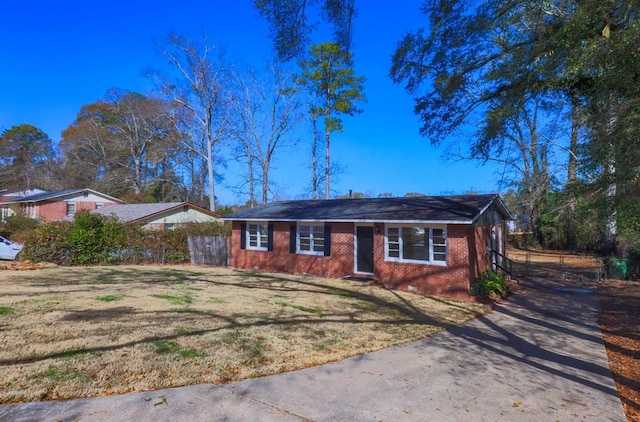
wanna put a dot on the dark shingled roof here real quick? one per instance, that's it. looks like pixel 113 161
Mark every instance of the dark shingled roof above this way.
pixel 454 209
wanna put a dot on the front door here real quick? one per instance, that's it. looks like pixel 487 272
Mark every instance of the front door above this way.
pixel 364 249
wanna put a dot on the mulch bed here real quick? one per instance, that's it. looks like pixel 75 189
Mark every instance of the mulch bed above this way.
pixel 620 324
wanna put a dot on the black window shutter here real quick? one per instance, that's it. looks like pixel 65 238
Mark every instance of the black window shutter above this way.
pixel 292 239
pixel 243 236
pixel 270 237
pixel 327 240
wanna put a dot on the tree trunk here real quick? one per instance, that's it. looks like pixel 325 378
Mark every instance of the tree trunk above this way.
pixel 265 183
pixel 327 168
pixel 573 146
pixel 611 223
pixel 210 174
pixel 251 181
pixel 314 160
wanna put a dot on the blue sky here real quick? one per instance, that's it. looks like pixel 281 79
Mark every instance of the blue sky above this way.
pixel 56 57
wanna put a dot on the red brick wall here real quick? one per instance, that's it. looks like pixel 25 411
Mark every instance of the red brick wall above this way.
pixel 80 205
pixel 450 280
pixel 55 211
pixel 338 265
pixel 52 211
pixel 466 257
pixel 481 242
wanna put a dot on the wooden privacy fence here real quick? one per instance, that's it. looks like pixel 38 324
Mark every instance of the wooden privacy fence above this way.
pixel 209 250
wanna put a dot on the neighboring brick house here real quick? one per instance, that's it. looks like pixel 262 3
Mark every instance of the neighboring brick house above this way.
pixel 56 206
pixel 429 245
pixel 160 216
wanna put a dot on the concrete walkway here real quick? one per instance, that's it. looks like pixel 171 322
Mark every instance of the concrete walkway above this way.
pixel 538 357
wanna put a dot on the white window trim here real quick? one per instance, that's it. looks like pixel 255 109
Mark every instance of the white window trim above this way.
pixel 429 227
pixel 313 230
pixel 71 204
pixel 262 225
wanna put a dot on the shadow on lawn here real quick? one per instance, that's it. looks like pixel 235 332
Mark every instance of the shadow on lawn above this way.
pixel 279 284
pixel 393 311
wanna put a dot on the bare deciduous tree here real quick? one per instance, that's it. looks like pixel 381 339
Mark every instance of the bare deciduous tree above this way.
pixel 199 90
pixel 266 109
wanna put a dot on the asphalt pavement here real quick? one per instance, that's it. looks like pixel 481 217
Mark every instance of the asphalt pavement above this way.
pixel 537 357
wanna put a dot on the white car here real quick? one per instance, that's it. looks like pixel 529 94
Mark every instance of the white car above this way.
pixel 9 250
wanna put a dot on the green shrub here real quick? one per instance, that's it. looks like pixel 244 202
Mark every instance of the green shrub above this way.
pixel 489 285
pixel 49 242
pixel 92 239
pixel 17 224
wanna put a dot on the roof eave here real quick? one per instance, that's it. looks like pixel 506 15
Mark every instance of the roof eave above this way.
pixel 501 205
pixel 159 214
pixel 63 194
pixel 360 221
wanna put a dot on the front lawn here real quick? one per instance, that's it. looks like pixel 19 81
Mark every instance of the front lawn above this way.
pixel 78 332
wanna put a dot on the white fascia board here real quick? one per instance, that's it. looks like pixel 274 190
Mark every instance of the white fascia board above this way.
pixel 462 222
pixel 500 204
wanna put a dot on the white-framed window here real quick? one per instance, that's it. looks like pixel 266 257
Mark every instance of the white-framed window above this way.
pixel 310 239
pixel 257 236
pixel 99 205
pixel 6 212
pixel 28 209
pixel 417 244
pixel 71 209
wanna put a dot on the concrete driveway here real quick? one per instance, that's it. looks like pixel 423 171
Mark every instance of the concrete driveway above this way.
pixel 538 357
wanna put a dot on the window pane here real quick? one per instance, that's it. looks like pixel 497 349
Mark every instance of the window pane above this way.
pixel 438 237
pixel 393 242
pixel 253 231
pixel 264 240
pixel 257 235
pixel 305 244
pixel 318 245
pixel 318 238
pixel 392 235
pixel 304 236
pixel 305 231
pixel 439 253
pixel 439 245
pixel 415 243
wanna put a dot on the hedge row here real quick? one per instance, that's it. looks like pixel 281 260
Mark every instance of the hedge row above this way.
pixel 92 239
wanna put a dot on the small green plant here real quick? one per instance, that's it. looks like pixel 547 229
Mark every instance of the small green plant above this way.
pixel 166 347
pixel 5 310
pixel 178 300
pixel 110 298
pixel 47 302
pixel 314 311
pixel 489 284
pixel 175 282
pixel 58 374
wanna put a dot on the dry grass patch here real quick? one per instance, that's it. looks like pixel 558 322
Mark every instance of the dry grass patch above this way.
pixel 77 332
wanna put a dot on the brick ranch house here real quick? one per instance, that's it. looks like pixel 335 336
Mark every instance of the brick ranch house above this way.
pixel 55 206
pixel 429 245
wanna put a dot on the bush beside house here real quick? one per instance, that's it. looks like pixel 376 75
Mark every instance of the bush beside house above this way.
pixel 93 239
